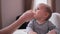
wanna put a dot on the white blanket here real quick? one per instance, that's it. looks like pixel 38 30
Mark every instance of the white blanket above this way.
pixel 20 31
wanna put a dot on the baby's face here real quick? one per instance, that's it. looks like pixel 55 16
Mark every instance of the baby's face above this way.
pixel 41 13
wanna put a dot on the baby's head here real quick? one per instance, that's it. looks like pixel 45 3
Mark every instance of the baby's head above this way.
pixel 43 12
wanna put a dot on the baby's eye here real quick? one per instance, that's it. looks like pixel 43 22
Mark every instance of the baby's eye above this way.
pixel 37 8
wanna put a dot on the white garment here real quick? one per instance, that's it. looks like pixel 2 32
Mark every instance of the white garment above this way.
pixel 55 19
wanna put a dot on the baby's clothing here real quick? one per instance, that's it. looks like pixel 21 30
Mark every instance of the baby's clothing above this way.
pixel 40 28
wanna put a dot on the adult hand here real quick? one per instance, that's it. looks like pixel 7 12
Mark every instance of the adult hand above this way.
pixel 28 15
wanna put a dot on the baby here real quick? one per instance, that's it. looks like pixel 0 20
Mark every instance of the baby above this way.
pixel 41 24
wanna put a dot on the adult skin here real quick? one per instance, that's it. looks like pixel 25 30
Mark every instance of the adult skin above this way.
pixel 28 15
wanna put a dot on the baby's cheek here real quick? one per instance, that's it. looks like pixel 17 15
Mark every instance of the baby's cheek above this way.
pixel 39 14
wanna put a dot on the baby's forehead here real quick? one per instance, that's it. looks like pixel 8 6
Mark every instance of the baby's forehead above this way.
pixel 41 6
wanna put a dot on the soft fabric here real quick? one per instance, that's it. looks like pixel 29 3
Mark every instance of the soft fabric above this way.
pixel 40 28
pixel 55 19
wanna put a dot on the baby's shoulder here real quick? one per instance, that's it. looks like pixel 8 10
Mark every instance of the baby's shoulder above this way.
pixel 49 23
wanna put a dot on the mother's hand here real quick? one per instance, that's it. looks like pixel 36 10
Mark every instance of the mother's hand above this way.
pixel 28 15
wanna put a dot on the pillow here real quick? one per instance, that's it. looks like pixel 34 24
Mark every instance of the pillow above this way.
pixel 55 19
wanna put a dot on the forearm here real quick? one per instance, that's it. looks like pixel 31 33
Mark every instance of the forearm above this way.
pixel 28 15
pixel 11 28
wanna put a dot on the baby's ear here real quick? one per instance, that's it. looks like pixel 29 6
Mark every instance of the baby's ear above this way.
pixel 47 14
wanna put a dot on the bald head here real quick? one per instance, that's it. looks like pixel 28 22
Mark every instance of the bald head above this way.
pixel 43 8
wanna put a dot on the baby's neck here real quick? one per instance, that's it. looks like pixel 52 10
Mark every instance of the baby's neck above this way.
pixel 40 21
